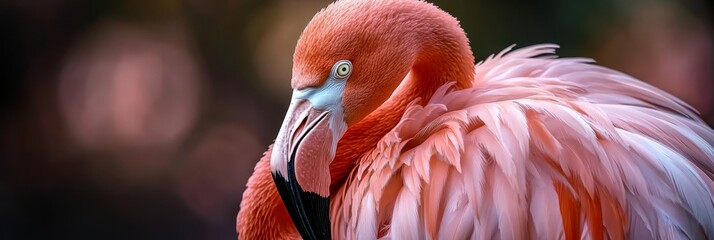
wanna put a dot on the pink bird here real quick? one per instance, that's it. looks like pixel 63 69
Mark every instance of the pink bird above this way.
pixel 394 133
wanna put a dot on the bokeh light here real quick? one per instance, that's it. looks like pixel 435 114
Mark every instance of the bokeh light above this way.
pixel 126 87
pixel 212 178
pixel 144 119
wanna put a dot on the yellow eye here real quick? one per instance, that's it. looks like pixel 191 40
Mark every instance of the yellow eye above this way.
pixel 342 69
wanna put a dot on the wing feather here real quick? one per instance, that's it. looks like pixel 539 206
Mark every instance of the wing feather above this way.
pixel 542 147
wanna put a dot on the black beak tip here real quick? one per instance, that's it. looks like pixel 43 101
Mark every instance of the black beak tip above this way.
pixel 309 212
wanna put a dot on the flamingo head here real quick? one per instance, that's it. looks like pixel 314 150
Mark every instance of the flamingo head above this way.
pixel 348 61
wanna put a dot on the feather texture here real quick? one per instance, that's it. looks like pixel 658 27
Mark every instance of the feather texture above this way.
pixel 542 147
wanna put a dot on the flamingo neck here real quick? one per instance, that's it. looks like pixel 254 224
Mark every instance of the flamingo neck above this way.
pixel 262 213
pixel 444 56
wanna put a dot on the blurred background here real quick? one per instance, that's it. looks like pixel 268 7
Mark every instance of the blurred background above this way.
pixel 128 119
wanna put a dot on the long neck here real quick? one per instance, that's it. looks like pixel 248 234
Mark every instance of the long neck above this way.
pixel 263 214
pixel 444 56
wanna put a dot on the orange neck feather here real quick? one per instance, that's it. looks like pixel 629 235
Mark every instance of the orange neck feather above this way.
pixel 263 214
pixel 445 56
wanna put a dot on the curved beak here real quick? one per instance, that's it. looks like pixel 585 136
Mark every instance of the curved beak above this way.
pixel 300 161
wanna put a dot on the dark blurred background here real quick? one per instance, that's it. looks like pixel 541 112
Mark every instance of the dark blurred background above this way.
pixel 129 119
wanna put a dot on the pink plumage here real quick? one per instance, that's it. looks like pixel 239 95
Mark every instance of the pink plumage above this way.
pixel 522 145
pixel 497 150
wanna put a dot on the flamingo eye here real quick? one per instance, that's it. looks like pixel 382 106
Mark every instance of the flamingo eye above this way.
pixel 342 69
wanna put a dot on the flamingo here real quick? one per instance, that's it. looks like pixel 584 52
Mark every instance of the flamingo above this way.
pixel 394 133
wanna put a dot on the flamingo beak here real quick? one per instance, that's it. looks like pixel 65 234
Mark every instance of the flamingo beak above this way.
pixel 300 162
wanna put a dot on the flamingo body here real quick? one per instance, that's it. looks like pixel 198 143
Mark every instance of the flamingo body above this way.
pixel 412 140
pixel 547 148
